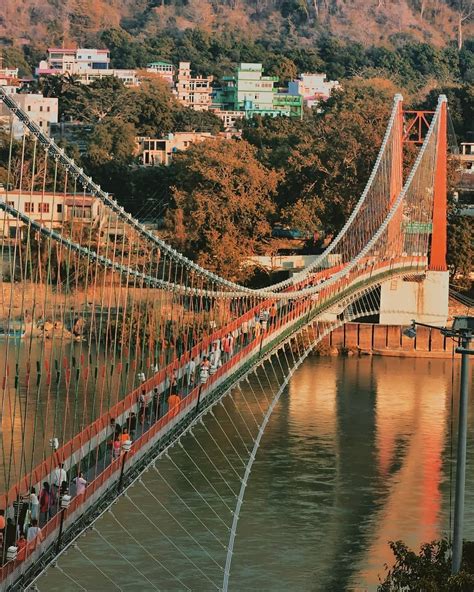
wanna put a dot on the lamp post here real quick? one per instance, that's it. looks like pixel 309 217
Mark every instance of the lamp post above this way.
pixel 126 446
pixel 65 501
pixel 463 332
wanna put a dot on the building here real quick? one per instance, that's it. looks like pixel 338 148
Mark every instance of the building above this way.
pixel 313 88
pixel 193 92
pixel 251 93
pixel 87 65
pixel 42 110
pixel 228 118
pixel 9 74
pixel 164 69
pixel 152 151
pixel 50 209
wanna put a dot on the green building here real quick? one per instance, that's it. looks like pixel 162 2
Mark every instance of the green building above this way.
pixel 254 94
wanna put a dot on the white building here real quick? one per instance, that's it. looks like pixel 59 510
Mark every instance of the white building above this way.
pixel 8 73
pixel 228 118
pixel 86 64
pixel 42 110
pixel 164 69
pixel 312 87
pixel 193 92
pixel 49 209
pixel 154 151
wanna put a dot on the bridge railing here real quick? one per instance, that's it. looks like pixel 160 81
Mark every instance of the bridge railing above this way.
pixel 302 313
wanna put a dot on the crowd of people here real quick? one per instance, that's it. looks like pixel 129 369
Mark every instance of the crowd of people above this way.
pixel 23 521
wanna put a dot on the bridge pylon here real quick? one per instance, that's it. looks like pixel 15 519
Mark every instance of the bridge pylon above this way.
pixel 424 298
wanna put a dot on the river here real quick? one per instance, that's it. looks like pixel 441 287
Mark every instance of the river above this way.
pixel 357 453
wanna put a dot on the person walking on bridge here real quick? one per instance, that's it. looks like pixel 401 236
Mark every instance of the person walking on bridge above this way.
pixel 173 405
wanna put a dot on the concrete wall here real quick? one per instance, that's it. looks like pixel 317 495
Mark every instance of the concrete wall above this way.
pixel 425 301
pixel 389 340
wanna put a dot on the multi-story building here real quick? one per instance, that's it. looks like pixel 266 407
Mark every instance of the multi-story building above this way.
pixel 42 110
pixel 313 88
pixel 251 93
pixel 8 73
pixel 49 209
pixel 228 118
pixel 193 92
pixel 164 69
pixel 154 151
pixel 86 64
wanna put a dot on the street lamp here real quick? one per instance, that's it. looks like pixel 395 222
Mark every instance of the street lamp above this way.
pixel 65 501
pixel 126 447
pixel 462 332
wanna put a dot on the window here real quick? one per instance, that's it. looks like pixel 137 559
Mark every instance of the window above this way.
pixel 29 207
pixel 41 107
pixel 40 123
pixel 11 203
pixel 48 109
pixel 59 208
pixel 43 208
pixel 28 108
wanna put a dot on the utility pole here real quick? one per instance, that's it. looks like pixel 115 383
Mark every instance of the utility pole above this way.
pixel 461 452
pixel 463 332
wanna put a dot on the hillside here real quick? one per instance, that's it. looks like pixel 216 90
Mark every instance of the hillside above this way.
pixel 371 22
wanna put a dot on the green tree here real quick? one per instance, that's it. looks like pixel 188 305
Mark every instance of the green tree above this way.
pixel 460 254
pixel 221 202
pixel 186 119
pixel 111 141
pixel 427 571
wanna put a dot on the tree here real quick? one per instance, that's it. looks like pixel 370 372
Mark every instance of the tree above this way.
pixel 111 141
pixel 429 571
pixel 460 254
pixel 151 107
pixel 186 119
pixel 221 201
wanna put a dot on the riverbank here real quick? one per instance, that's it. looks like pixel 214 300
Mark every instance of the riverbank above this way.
pixel 386 340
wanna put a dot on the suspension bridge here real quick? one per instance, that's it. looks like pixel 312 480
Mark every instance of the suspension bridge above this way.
pixel 115 346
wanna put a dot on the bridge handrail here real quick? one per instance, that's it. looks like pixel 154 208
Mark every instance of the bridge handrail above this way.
pixel 81 439
pixel 298 315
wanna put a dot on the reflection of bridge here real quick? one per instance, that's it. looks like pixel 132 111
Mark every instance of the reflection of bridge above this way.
pixel 69 372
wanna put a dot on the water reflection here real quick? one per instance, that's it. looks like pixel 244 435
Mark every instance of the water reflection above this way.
pixel 356 453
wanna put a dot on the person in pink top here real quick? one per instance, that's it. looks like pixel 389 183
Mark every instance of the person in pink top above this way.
pixel 81 484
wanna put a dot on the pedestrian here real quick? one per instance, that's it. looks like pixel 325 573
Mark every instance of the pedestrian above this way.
pixel 81 484
pixel 21 548
pixel 63 489
pixel 125 436
pixel 34 504
pixel 141 377
pixel 20 511
pixel 244 330
pixel 59 475
pixel 116 447
pixel 173 404
pixel 10 533
pixel 155 404
pixel 142 406
pixel 257 329
pixel 132 425
pixel 191 372
pixel 33 531
pixel 273 313
pixel 44 503
pixel 3 523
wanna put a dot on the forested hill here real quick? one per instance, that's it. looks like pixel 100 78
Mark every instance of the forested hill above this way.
pixel 370 22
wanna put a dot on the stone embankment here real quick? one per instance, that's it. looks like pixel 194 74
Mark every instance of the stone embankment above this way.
pixel 385 340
